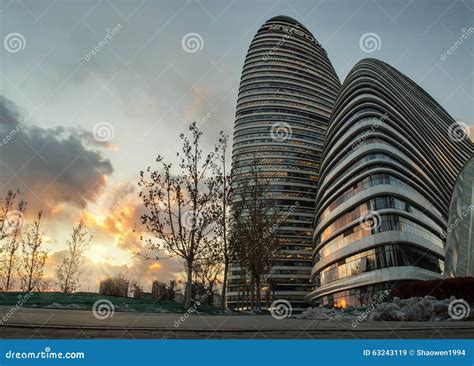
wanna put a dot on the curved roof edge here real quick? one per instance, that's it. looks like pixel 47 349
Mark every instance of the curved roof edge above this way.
pixel 290 20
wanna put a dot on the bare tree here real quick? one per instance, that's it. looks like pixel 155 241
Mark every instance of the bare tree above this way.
pixel 6 206
pixel 34 258
pixel 45 285
pixel 255 240
pixel 11 222
pixel 207 272
pixel 136 290
pixel 67 273
pixel 179 213
pixel 170 290
pixel 221 210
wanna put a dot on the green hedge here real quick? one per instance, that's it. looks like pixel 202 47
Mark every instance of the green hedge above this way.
pixel 87 299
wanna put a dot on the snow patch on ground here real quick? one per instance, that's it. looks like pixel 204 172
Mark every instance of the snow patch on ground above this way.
pixel 426 308
pixel 55 305
pixel 414 309
pixel 123 307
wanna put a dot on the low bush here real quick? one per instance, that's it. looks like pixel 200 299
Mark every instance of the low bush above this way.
pixel 461 288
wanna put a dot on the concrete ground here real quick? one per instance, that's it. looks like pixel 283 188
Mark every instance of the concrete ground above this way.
pixel 55 323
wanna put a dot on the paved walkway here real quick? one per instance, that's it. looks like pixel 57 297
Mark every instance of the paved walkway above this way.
pixel 55 323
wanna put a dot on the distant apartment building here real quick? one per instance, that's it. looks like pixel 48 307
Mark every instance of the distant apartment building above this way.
pixel 158 289
pixel 114 286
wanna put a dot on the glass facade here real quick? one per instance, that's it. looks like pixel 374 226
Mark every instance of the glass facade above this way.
pixel 460 230
pixel 384 256
pixel 382 201
pixel 287 91
pixel 359 296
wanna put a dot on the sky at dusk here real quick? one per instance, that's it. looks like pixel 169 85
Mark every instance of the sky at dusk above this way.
pixel 144 87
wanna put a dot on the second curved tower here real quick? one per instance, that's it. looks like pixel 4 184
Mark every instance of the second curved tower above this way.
pixel 392 155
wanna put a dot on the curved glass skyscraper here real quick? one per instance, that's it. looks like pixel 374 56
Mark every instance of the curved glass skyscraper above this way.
pixel 287 91
pixel 391 158
pixel 460 231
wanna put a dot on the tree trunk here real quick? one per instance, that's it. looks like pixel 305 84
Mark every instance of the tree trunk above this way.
pixel 258 294
pixel 224 285
pixel 239 298
pixel 70 273
pixel 246 299
pixel 189 285
pixel 9 269
pixel 30 274
pixel 252 292
pixel 66 282
pixel 242 290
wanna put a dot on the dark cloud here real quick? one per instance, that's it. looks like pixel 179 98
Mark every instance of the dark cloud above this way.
pixel 50 166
